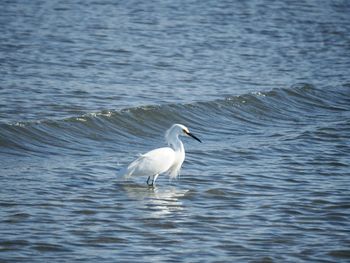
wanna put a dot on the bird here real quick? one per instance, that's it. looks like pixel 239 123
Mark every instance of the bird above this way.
pixel 165 160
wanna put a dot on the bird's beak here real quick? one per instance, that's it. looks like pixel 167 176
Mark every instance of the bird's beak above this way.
pixel 194 137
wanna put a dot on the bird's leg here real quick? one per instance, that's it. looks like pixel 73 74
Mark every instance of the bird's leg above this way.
pixel 149 177
pixel 154 179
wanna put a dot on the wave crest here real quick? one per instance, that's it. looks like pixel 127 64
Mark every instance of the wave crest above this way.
pixel 249 111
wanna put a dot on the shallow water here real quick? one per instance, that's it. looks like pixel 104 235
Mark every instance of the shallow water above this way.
pixel 86 87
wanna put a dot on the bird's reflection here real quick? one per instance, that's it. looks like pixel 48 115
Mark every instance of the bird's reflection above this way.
pixel 160 201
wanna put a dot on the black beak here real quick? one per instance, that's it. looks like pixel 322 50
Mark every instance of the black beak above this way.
pixel 194 137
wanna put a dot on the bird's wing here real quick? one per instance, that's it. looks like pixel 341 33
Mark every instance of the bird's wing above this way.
pixel 154 162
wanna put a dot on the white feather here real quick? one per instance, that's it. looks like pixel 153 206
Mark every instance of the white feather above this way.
pixel 166 160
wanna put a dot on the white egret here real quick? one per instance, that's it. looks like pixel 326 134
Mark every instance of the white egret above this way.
pixel 162 160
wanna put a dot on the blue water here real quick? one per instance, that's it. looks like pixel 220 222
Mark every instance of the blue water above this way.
pixel 87 86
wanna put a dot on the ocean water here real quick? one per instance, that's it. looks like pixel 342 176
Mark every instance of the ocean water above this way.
pixel 86 86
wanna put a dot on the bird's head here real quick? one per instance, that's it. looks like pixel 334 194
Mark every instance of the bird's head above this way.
pixel 179 129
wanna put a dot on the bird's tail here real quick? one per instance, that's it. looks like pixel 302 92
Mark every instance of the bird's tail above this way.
pixel 127 172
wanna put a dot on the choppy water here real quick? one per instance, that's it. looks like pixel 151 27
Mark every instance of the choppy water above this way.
pixel 87 86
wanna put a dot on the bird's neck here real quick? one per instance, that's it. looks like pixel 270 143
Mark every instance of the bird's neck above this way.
pixel 177 145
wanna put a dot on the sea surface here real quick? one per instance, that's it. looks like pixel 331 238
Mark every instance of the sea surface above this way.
pixel 87 86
